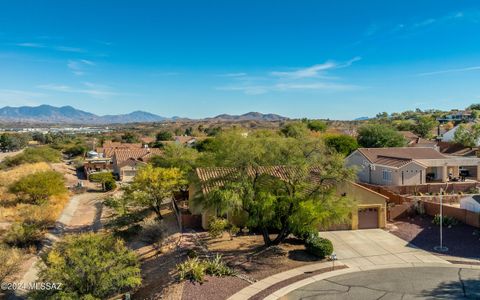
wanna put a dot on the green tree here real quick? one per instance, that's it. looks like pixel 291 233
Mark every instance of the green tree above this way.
pixel 317 125
pixel 475 106
pixel 130 138
pixel 295 130
pixel 176 156
pixel 341 143
pixel 404 125
pixel 89 266
pixel 164 136
pixel 75 150
pixel 39 186
pixel 33 155
pixel 378 136
pixel 298 201
pixel 13 141
pixel 106 179
pixel 467 137
pixel 152 186
pixel 424 126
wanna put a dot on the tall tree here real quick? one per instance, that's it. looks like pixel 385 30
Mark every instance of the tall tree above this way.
pixel 378 136
pixel 271 202
pixel 152 186
pixel 468 137
pixel 341 143
pixel 295 130
pixel 424 126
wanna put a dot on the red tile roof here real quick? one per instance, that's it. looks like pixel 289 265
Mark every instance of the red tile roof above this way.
pixel 142 154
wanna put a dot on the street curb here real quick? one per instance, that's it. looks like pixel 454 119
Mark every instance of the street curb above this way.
pixel 285 290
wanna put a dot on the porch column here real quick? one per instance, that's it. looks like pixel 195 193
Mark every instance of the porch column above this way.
pixel 478 173
pixel 444 174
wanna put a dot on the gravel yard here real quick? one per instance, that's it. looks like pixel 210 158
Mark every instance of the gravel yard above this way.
pixel 462 240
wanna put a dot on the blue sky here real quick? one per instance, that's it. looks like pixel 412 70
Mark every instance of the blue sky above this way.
pixel 316 59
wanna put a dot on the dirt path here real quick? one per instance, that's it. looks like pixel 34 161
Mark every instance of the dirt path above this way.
pixel 82 213
pixel 4 155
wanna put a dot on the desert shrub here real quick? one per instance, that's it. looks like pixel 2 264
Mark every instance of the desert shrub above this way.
pixel 11 259
pixel 110 185
pixel 216 227
pixel 23 235
pixel 192 269
pixel 419 208
pixel 153 232
pixel 216 267
pixel 89 266
pixel 318 246
pixel 195 269
pixel 33 155
pixel 39 186
pixel 447 221
pixel 233 231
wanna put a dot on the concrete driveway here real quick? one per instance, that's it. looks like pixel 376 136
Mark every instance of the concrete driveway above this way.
pixel 376 247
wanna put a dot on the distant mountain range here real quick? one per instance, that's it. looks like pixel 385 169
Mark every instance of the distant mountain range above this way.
pixel 69 115
pixel 251 116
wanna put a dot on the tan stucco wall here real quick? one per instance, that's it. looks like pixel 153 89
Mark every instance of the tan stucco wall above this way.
pixel 361 164
pixel 412 172
pixel 364 198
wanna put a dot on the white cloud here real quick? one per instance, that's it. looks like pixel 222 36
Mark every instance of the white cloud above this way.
pixel 78 67
pixel 30 45
pixel 467 69
pixel 240 74
pixel 94 90
pixel 16 97
pixel 313 78
pixel 57 48
pixel 315 70
pixel 70 49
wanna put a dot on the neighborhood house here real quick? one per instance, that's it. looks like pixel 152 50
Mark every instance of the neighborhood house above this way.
pixel 411 166
pixel 369 210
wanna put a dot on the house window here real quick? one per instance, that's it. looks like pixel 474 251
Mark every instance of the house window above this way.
pixel 387 175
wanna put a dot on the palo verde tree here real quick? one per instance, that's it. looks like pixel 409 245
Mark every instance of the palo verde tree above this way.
pixel 282 184
pixel 89 266
pixel 152 186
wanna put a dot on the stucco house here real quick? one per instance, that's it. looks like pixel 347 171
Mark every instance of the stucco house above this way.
pixel 410 166
pixel 449 136
pixel 126 162
pixel 369 211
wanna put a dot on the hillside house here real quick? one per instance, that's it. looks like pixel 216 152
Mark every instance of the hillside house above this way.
pixel 126 162
pixel 411 166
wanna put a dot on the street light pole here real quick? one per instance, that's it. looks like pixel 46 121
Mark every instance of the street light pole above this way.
pixel 441 248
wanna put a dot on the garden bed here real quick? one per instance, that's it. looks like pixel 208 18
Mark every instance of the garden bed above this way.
pixel 462 240
pixel 247 256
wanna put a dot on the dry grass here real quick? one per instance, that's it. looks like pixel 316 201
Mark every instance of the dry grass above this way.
pixel 10 176
pixel 12 211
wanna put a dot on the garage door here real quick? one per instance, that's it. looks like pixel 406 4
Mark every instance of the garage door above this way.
pixel 367 218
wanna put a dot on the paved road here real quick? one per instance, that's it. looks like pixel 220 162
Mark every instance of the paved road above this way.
pixel 401 283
